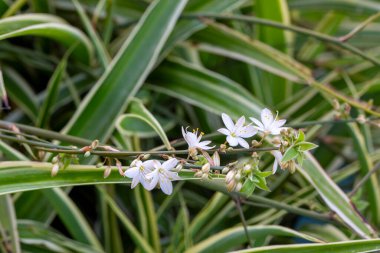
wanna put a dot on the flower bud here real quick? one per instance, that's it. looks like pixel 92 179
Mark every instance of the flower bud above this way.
pixel 223 147
pixel 231 185
pixel 133 163
pixel 361 119
pixel 238 176
pixel 94 144
pixel 120 168
pixel 87 154
pixel 99 165
pixel 247 168
pixel 206 168
pixel 292 167
pixel 255 143
pixel 225 170
pixel 230 176
pixel 146 157
pixel 205 176
pixel 198 174
pixel 276 141
pixel 55 159
pixel 193 152
pixel 336 105
pixel 107 171
pixel 238 186
pixel 255 155
pixel 179 167
pixel 54 169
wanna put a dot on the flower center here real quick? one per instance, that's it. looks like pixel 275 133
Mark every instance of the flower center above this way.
pixel 141 168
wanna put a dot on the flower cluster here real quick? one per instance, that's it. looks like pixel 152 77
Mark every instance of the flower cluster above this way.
pixel 152 173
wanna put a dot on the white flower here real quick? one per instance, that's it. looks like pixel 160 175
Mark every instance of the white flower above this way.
pixel 277 160
pixel 163 175
pixel 138 171
pixel 269 124
pixel 194 141
pixel 236 132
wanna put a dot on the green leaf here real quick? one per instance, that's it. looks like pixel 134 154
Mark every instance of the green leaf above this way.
pixel 358 246
pixel 26 176
pixel 248 187
pixel 126 73
pixel 221 40
pixel 206 89
pixel 371 186
pixel 334 197
pixel 233 237
pixel 290 154
pixel 301 136
pixel 138 111
pixel 50 27
pixel 71 216
pixel 52 92
pixel 8 223
pixel 39 237
pixel 305 146
pixel 20 93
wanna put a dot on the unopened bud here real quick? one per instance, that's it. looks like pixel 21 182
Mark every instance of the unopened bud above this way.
pixel 54 169
pixel 223 147
pixel 107 171
pixel 276 141
pixel 146 157
pixel 94 144
pixel 238 176
pixel 225 170
pixel 99 165
pixel 206 168
pixel 55 159
pixel 247 168
pixel 193 152
pixel 119 167
pixel 198 174
pixel 255 155
pixel 336 105
pixel 178 167
pixel 204 176
pixel 87 154
pixel 133 163
pixel 292 167
pixel 231 185
pixel 347 108
pixel 230 175
pixel 255 143
pixel 238 187
pixel 361 119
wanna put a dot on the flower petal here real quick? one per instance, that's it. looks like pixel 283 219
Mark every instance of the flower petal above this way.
pixel 239 123
pixel 266 117
pixel 216 159
pixel 228 122
pixel 146 183
pixel 224 131
pixel 170 164
pixel 275 166
pixel 242 142
pixel 153 177
pixel 247 131
pixel 279 123
pixel 172 176
pixel 156 164
pixel 135 181
pixel 232 141
pixel 148 166
pixel 166 186
pixel 258 123
pixel 131 172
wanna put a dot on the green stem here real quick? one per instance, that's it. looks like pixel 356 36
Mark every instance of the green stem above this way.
pixel 157 153
pixel 360 27
pixel 300 30
pixel 243 221
pixel 16 6
pixel 46 133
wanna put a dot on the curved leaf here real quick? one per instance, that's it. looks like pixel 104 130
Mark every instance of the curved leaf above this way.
pixel 233 237
pixel 126 73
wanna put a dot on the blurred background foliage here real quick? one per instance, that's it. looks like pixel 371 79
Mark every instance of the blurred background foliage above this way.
pixel 93 69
